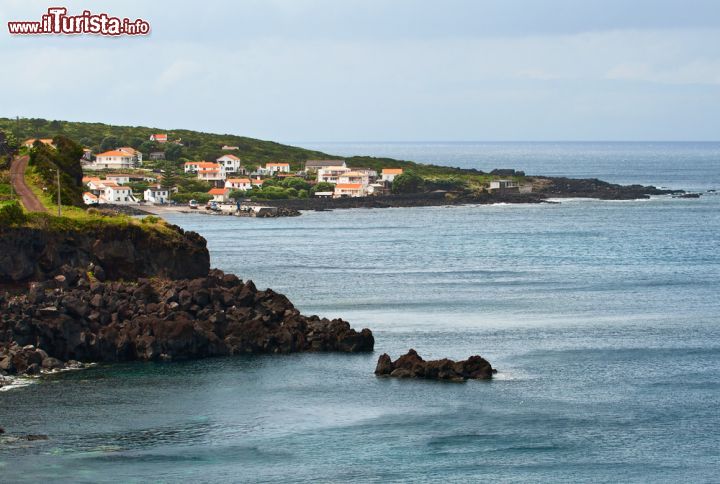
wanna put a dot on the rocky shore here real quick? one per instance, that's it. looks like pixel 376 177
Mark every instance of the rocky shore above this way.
pixel 74 318
pixel 544 188
pixel 123 293
pixel 411 365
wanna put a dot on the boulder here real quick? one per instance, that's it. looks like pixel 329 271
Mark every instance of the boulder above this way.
pixel 411 365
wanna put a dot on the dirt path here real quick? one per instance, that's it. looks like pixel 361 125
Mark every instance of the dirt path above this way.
pixel 17 174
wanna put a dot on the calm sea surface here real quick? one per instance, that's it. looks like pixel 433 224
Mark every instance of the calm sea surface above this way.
pixel 603 319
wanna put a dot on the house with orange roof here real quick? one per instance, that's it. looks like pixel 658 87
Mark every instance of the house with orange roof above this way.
pixel 220 194
pixel 159 138
pixel 231 164
pixel 257 182
pixel 389 174
pixel 277 167
pixel 137 155
pixel 90 198
pixel 112 160
pixel 238 183
pixel 343 190
pixel 206 170
pixel 46 141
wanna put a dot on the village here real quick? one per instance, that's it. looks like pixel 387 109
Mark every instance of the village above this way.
pixel 120 176
pixel 228 178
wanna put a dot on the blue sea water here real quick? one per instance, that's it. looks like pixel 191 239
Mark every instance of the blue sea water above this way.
pixel 601 317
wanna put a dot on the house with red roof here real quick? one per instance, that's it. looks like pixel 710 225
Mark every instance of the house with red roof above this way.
pixel 220 194
pixel 159 138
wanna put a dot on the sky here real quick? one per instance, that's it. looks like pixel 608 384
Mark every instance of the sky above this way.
pixel 380 70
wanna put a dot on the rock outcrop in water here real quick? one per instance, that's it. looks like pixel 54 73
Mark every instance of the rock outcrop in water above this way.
pixel 412 365
pixel 160 320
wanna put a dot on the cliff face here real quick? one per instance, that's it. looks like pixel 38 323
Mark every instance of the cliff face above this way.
pixel 116 252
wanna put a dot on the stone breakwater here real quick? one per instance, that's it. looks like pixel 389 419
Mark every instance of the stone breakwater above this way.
pixel 74 318
pixel 411 365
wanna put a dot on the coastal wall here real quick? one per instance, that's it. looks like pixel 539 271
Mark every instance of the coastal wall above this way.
pixel 112 252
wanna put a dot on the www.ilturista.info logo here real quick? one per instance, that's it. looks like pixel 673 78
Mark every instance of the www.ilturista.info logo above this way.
pixel 57 21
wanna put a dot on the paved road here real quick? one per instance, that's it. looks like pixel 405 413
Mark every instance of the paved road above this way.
pixel 17 173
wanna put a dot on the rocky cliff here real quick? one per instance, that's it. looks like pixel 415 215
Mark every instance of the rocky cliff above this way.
pixel 110 251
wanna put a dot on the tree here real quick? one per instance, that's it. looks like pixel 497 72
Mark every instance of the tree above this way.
pixel 296 183
pixel 173 151
pixel 322 187
pixel 169 179
pixel 408 183
pixel 237 194
pixel 147 147
pixel 109 143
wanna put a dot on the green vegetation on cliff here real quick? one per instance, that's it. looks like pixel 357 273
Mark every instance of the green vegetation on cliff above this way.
pixel 46 161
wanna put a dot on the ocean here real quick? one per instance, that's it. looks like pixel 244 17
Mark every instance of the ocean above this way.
pixel 600 316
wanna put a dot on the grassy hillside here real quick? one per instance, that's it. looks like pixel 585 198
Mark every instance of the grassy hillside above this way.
pixel 196 145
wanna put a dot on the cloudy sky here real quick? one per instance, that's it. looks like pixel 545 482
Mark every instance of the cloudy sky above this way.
pixel 380 70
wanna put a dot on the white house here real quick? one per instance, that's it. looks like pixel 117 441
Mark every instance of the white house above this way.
pixel 278 167
pixel 371 174
pixel 112 160
pixel 238 183
pixel 156 195
pixel 220 194
pixel 137 155
pixel 119 179
pixel 354 177
pixel 192 166
pixel 331 174
pixel 503 184
pixel 389 174
pixel 315 165
pixel 230 163
pixel 230 148
pixel 117 194
pixel 90 198
pixel 350 190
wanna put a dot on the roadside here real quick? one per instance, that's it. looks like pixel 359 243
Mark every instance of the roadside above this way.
pixel 26 195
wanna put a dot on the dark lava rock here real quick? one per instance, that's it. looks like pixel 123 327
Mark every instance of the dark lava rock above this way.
pixel 161 320
pixel 411 365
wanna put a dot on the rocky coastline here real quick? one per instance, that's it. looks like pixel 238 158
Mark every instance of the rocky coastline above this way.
pixel 411 365
pixel 544 188
pixel 121 296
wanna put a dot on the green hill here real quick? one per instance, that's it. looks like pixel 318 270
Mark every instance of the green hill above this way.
pixel 197 145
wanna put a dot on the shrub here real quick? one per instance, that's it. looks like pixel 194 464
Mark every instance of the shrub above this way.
pixel 11 213
pixel 151 219
pixel 408 183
